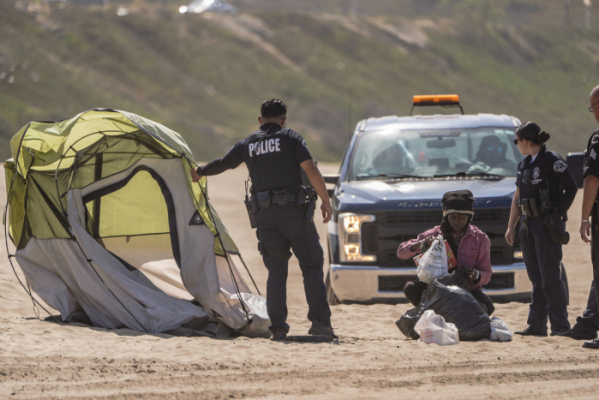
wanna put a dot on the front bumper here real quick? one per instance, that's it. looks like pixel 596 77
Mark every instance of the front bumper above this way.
pixel 371 284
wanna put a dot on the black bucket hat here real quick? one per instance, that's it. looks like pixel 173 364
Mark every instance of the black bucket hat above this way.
pixel 458 202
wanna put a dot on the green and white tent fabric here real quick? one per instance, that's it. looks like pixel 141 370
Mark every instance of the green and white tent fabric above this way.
pixel 106 221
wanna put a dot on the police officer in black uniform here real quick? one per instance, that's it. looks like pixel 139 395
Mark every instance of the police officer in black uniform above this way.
pixel 283 211
pixel 545 191
pixel 587 325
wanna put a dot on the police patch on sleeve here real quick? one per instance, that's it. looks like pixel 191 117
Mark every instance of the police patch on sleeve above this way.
pixel 593 154
pixel 560 166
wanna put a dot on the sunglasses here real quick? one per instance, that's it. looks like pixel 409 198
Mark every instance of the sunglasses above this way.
pixel 516 141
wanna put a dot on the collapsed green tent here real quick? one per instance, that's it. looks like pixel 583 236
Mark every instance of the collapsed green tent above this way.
pixel 108 225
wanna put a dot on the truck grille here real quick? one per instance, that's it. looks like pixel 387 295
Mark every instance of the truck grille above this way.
pixel 435 216
pixel 391 228
pixel 370 239
pixel 501 280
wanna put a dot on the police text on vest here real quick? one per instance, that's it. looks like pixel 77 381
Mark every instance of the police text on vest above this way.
pixel 267 146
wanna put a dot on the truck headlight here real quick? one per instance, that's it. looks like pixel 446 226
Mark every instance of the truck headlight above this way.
pixel 518 255
pixel 350 237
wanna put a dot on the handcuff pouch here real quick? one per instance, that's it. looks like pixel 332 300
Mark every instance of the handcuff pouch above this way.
pixel 263 199
pixel 280 197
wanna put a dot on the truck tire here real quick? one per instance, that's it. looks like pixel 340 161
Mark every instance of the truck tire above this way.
pixel 331 296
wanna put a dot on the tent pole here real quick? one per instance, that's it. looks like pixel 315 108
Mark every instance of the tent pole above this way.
pixel 248 271
pixel 97 177
pixel 11 256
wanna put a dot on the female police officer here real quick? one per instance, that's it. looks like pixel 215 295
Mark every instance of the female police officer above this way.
pixel 545 191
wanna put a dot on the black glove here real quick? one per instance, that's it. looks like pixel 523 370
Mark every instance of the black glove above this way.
pixel 472 274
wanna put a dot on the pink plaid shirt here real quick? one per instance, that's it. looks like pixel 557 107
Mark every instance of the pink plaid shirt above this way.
pixel 474 251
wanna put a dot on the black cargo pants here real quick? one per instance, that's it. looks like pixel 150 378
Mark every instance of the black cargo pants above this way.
pixel 543 258
pixel 589 321
pixel 279 229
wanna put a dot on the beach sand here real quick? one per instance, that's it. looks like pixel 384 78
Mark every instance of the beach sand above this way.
pixel 371 359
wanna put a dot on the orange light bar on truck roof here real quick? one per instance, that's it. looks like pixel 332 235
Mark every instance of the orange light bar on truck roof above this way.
pixel 443 100
pixel 436 100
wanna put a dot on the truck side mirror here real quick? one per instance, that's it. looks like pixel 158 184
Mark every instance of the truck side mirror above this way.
pixel 576 165
pixel 333 179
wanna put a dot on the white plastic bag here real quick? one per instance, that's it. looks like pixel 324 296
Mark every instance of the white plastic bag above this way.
pixel 432 328
pixel 433 263
pixel 499 330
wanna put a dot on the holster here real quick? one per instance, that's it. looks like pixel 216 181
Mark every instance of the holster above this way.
pixel 302 194
pixel 251 213
pixel 556 227
pixel 263 199
pixel 310 204
pixel 306 197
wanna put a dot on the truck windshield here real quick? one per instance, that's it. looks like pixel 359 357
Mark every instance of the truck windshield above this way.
pixel 393 154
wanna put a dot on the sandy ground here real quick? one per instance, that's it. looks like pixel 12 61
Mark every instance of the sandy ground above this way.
pixel 371 360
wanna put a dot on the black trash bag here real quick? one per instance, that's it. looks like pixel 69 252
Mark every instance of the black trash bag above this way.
pixel 450 297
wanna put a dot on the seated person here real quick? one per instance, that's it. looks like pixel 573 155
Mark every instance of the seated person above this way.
pixel 391 160
pixel 470 246
pixel 492 152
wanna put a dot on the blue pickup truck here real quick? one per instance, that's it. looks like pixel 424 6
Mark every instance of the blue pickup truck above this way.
pixel 389 190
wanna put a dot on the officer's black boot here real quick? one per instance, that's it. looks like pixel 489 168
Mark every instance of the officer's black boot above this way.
pixel 530 332
pixel 319 329
pixel 278 334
